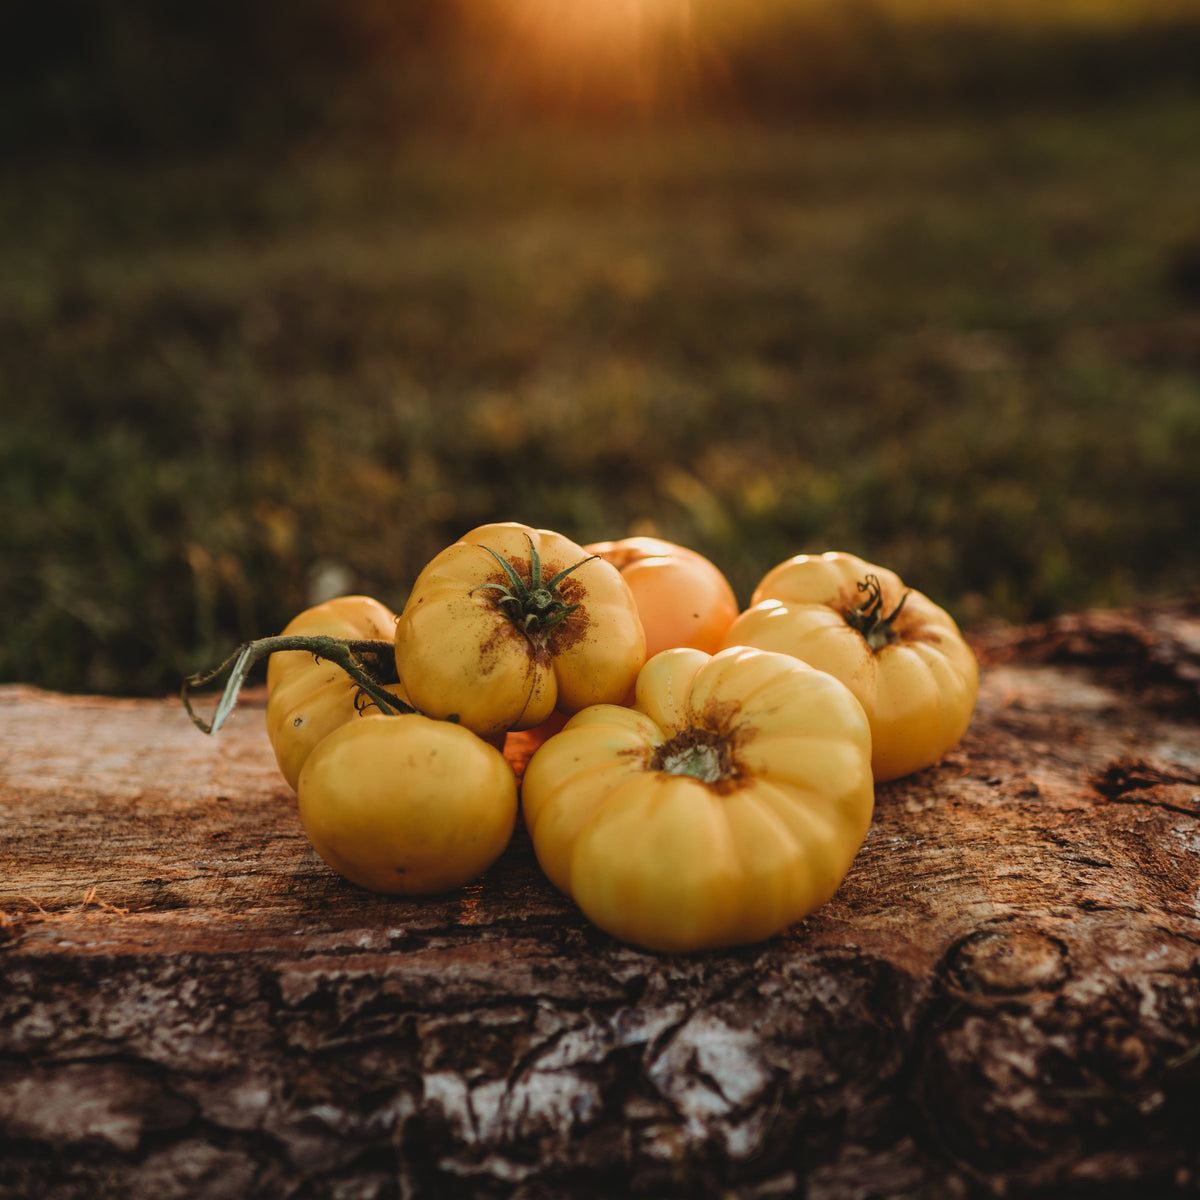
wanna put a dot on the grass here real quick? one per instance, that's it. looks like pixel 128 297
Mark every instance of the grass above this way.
pixel 966 348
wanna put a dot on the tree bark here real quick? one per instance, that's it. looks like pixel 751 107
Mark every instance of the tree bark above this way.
pixel 1002 999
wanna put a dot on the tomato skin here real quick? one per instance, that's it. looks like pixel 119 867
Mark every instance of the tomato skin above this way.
pixel 458 655
pixel 309 698
pixel 524 743
pixel 406 805
pixel 307 706
pixel 918 691
pixel 682 597
pixel 674 862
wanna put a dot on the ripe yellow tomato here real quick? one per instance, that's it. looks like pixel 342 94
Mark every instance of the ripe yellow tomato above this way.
pixel 682 598
pixel 308 698
pixel 723 807
pixel 407 805
pixel 897 651
pixel 510 623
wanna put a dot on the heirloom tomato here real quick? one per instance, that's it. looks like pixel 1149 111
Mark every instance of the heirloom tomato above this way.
pixel 510 623
pixel 722 807
pixel 407 805
pixel 897 651
pixel 308 697
pixel 682 598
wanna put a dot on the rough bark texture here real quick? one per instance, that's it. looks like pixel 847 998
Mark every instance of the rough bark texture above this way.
pixel 1003 998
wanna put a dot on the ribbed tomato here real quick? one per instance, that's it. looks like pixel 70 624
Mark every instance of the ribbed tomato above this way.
pixel 309 698
pixel 725 805
pixel 510 623
pixel 897 651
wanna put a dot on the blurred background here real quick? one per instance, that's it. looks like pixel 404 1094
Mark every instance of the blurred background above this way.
pixel 295 292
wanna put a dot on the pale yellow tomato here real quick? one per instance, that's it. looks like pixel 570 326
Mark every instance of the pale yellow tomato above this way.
pixel 897 651
pixel 407 805
pixel 309 697
pixel 682 597
pixel 723 807
pixel 510 623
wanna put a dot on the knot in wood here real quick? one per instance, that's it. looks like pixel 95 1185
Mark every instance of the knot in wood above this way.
pixel 1010 960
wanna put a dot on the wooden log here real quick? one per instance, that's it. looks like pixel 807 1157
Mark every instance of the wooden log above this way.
pixel 1002 999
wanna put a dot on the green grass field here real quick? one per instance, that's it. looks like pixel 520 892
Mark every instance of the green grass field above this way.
pixel 967 348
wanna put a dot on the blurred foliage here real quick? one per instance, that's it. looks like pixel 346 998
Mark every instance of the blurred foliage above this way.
pixel 963 343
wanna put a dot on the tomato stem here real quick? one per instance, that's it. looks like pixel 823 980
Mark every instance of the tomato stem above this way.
pixel 868 617
pixel 347 654
pixel 377 656
pixel 533 606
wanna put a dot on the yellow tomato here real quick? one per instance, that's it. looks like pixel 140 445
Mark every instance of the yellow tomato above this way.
pixel 510 623
pixel 682 598
pixel 308 697
pixel 407 805
pixel 897 651
pixel 723 807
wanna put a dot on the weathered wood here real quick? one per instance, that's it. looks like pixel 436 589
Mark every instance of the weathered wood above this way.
pixel 1003 998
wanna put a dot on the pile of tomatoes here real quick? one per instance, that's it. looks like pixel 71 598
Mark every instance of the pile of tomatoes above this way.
pixel 704 776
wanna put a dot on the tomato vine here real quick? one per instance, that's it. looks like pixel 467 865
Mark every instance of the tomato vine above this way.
pixel 360 659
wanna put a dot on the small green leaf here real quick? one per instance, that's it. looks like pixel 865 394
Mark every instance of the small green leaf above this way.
pixel 535 566
pixel 518 584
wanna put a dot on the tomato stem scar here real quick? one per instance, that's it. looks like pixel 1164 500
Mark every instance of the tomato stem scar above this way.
pixel 696 752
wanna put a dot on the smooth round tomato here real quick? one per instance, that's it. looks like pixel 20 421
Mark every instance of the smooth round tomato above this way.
pixel 308 698
pixel 510 623
pixel 407 805
pixel 682 598
pixel 897 651
pixel 721 808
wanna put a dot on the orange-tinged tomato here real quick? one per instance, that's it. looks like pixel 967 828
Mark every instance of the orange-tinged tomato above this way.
pixel 682 597
pixel 723 807
pixel 499 647
pixel 308 697
pixel 897 651
pixel 524 743
pixel 407 805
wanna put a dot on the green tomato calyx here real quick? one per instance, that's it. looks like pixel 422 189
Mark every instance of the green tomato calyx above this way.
pixel 868 617
pixel 534 605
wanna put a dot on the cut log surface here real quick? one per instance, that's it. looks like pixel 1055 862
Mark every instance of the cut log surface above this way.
pixel 1003 998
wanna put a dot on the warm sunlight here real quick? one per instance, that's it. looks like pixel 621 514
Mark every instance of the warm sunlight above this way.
pixel 580 27
pixel 589 52
pixel 578 56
